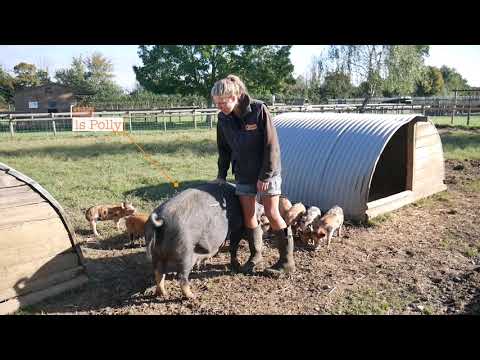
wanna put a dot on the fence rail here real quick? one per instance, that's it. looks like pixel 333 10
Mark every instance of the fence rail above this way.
pixel 415 100
pixel 182 118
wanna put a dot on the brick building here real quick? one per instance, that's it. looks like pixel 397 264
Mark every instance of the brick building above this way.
pixel 49 98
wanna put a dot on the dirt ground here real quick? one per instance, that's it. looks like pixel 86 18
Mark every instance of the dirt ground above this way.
pixel 421 259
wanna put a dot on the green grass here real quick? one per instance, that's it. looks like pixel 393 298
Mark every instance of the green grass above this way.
pixel 378 220
pixel 471 252
pixel 81 171
pixel 473 186
pixel 433 200
pixel 450 241
pixel 458 121
pixel 368 302
pixel 461 144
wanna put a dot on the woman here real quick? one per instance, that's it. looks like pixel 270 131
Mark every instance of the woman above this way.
pixel 247 138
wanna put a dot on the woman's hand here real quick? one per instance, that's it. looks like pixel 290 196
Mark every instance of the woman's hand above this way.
pixel 218 181
pixel 262 186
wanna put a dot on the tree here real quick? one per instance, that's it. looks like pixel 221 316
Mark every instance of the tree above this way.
pixel 316 77
pixel 7 86
pixel 74 77
pixel 99 71
pixel 337 84
pixel 364 63
pixel 193 69
pixel 373 69
pixel 453 80
pixel 266 70
pixel 317 70
pixel 296 91
pixel 43 76
pixel 405 67
pixel 92 75
pixel 432 83
pixel 26 75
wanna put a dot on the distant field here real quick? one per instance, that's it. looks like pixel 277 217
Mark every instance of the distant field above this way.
pixel 459 144
pixel 458 121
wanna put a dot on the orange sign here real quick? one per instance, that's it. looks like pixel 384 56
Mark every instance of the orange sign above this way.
pixel 97 124
pixel 83 109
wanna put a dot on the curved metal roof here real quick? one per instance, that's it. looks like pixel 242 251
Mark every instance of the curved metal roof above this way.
pixel 329 158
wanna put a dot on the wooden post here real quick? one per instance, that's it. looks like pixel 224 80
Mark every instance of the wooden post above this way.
pixel 10 123
pixel 194 119
pixel 410 181
pixel 129 122
pixel 454 107
pixel 469 109
pixel 54 128
pixel 211 121
pixel 164 121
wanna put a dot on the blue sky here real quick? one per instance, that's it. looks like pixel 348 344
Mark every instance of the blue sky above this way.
pixel 464 58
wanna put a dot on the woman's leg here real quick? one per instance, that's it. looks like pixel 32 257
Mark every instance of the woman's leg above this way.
pixel 283 234
pixel 270 203
pixel 248 209
pixel 253 233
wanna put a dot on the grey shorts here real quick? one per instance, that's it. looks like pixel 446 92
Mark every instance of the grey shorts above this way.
pixel 274 188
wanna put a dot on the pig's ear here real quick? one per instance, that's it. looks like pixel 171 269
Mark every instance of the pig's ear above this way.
pixel 123 205
pixel 157 222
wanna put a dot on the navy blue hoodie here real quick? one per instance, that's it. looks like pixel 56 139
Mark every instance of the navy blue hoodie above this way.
pixel 249 142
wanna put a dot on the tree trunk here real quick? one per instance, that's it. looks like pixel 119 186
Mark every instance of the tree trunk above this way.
pixel 370 94
pixel 364 104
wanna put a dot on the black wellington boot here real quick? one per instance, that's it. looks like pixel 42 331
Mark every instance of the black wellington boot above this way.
pixel 255 243
pixel 286 264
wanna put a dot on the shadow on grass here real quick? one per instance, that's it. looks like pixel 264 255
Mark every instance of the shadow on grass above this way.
pixel 457 127
pixel 473 307
pixel 119 282
pixel 117 242
pixel 460 140
pixel 84 232
pixel 123 281
pixel 162 191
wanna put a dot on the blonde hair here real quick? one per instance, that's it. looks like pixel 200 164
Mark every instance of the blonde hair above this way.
pixel 229 86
